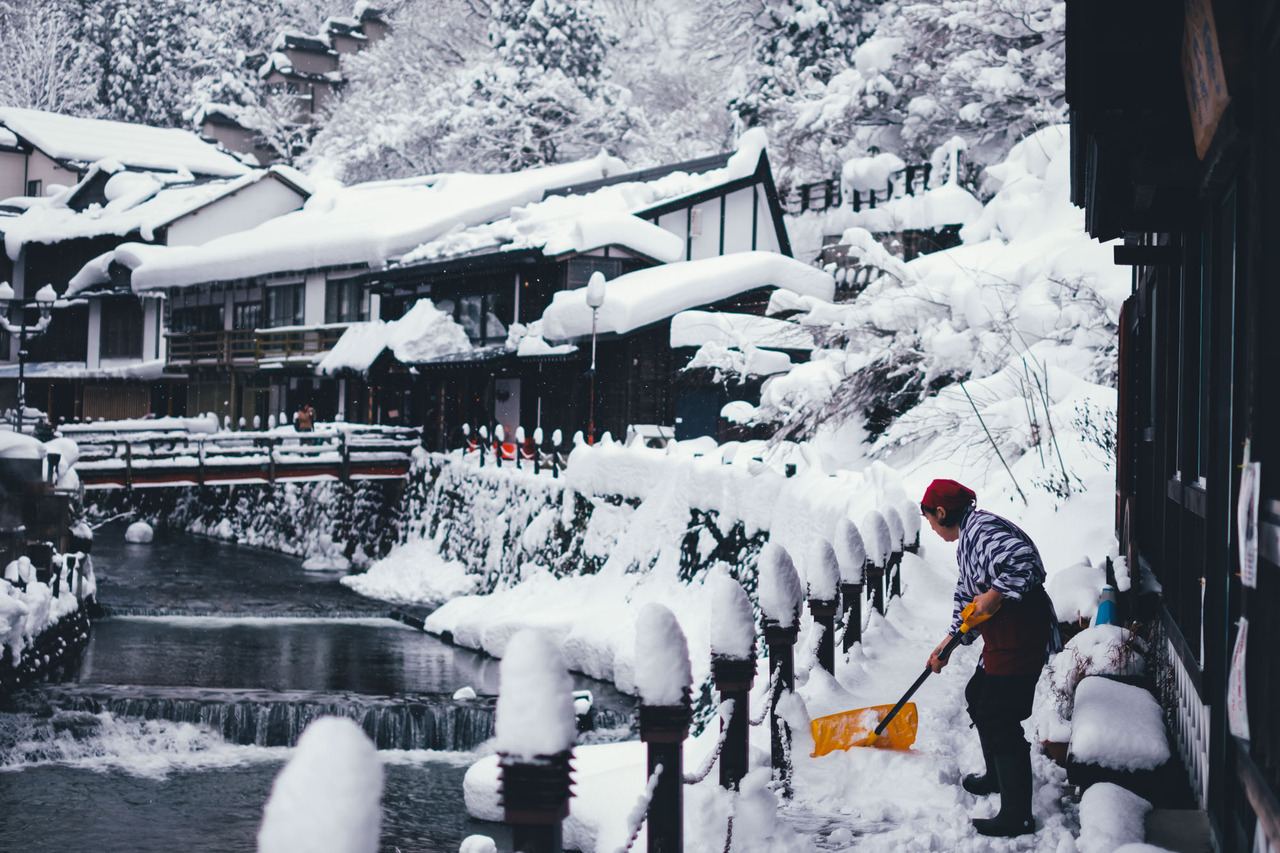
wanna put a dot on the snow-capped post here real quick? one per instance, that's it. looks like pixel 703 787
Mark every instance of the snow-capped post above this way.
pixel 480 445
pixel 556 462
pixel 910 514
pixel 733 666
pixel 344 456
pixel 781 595
pixel 519 444
pixel 499 437
pixel 851 555
pixel 823 577
pixel 663 679
pixel 875 531
pixel 537 449
pixel 896 540
pixel 534 733
pixel 595 298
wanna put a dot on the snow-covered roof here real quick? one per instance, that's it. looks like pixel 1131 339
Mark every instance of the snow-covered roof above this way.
pixel 696 328
pixel 610 215
pixel 153 369
pixel 649 295
pixel 7 138
pixel 370 224
pixel 86 140
pixel 423 334
pixel 136 201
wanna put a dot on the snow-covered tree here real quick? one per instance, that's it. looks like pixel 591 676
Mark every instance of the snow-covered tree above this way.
pixel 43 65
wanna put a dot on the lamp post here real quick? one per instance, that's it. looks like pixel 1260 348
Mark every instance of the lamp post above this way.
pixel 595 298
pixel 44 300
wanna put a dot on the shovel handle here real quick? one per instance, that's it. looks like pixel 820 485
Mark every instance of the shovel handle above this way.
pixel 943 655
pixel 969 623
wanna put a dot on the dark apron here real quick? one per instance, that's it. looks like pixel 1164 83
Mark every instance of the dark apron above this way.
pixel 1016 638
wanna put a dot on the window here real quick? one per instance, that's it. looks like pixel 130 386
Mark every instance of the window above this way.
pixel 468 316
pixel 284 304
pixel 196 318
pixel 345 301
pixel 35 189
pixel 121 328
pixel 246 315
pixel 580 270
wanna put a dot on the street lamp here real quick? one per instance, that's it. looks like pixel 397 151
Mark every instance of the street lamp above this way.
pixel 595 298
pixel 44 299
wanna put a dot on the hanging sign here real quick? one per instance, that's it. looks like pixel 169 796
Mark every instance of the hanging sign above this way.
pixel 1247 522
pixel 1202 73
pixel 1237 706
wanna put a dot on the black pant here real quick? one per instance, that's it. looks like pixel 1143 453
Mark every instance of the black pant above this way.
pixel 997 705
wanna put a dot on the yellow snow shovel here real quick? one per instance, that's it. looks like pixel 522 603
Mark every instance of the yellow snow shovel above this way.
pixel 882 725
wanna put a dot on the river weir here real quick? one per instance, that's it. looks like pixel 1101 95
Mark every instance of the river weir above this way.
pixel 206 664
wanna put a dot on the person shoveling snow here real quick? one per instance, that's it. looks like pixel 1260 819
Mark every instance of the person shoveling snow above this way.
pixel 1002 574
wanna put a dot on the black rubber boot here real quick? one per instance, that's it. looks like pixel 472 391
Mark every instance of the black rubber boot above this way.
pixel 981 784
pixel 1013 769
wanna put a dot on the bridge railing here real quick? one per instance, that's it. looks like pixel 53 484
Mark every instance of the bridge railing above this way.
pixel 129 459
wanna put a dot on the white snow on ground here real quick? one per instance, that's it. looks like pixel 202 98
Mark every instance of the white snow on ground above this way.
pixel 1026 310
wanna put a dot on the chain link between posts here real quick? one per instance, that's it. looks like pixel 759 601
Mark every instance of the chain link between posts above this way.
pixel 725 711
pixel 640 811
pixel 772 697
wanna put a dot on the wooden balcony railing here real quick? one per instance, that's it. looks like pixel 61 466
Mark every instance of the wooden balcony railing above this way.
pixel 250 346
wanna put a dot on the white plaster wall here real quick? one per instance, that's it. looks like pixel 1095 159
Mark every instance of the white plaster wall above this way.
pixel 706 239
pixel 737 221
pixel 766 236
pixel 677 223
pixel 41 168
pixel 13 174
pixel 248 208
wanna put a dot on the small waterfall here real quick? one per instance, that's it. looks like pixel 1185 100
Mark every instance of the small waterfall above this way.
pixel 262 718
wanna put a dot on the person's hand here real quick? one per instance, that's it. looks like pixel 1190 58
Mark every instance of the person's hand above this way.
pixel 936 663
pixel 986 604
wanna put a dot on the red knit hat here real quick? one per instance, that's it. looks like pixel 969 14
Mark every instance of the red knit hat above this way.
pixel 947 494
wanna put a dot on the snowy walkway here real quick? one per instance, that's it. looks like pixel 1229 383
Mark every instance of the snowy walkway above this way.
pixel 892 801
pixel 863 799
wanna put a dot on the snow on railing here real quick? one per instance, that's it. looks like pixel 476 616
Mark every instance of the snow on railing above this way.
pixel 129 458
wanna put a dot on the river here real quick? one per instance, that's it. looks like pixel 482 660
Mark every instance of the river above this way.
pixel 211 660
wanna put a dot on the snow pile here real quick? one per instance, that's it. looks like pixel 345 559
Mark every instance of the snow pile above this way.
pixel 414 573
pixel 1110 817
pixel 656 293
pixel 662 672
pixel 535 700
pixel 1096 736
pixel 327 556
pixel 1076 590
pixel 851 552
pixel 139 533
pixel 423 334
pixel 328 798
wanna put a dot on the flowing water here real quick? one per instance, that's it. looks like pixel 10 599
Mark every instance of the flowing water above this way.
pixel 210 662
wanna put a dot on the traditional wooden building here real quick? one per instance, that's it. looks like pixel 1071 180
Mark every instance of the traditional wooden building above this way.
pixel 1175 119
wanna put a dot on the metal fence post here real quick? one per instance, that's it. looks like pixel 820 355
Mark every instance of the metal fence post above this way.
pixel 824 615
pixel 734 678
pixel 535 799
pixel 851 604
pixel 664 728
pixel 780 641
